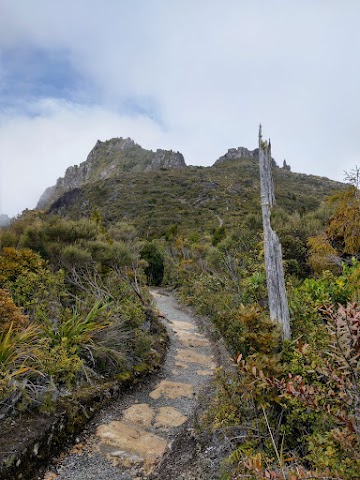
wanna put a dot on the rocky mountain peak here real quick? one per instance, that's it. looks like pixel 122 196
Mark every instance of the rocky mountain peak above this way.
pixel 110 158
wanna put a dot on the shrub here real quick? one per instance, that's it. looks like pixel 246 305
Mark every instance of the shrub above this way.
pixel 10 314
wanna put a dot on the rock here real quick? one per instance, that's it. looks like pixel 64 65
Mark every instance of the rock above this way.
pixel 166 159
pixel 192 339
pixel 169 417
pixel 130 445
pixel 240 152
pixel 172 390
pixel 286 166
pixel 188 355
pixel 140 414
pixel 107 159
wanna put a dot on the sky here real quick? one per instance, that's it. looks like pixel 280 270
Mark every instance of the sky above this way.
pixel 195 76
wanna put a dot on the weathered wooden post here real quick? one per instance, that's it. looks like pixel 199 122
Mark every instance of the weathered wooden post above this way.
pixel 278 304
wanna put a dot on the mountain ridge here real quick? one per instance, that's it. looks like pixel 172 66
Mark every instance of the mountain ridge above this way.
pixel 196 199
pixel 119 155
pixel 110 158
pixel 156 190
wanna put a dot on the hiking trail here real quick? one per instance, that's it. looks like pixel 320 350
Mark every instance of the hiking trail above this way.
pixel 128 439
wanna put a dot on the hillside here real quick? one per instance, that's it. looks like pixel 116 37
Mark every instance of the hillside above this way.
pixel 193 198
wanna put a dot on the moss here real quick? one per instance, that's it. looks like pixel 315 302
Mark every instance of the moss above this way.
pixel 143 367
pixel 124 377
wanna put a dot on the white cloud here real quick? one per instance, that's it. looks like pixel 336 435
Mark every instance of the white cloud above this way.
pixel 211 69
pixel 35 151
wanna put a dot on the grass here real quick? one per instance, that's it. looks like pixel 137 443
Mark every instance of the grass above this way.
pixel 15 347
pixel 78 329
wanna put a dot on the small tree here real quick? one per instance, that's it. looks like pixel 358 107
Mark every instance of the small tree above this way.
pixel 154 270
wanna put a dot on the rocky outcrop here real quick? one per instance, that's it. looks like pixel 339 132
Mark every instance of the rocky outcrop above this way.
pixel 286 166
pixel 111 158
pixel 240 152
pixel 46 197
pixel 166 159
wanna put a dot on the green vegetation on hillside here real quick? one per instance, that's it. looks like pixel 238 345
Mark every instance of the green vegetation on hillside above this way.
pixel 73 308
pixel 195 199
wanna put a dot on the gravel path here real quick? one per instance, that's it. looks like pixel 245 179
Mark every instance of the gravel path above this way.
pixel 135 437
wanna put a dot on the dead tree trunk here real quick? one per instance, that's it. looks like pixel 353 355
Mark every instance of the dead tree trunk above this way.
pixel 278 304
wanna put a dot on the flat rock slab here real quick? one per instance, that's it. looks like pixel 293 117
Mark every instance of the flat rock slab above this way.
pixel 169 417
pixel 188 355
pixel 144 416
pixel 178 325
pixel 125 439
pixel 192 339
pixel 172 390
pixel 140 414
pixel 50 476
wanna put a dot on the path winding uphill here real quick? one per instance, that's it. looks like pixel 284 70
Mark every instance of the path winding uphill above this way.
pixel 131 438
